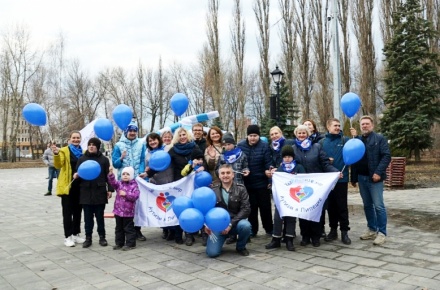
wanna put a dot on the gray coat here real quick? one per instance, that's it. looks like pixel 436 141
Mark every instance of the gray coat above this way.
pixel 48 157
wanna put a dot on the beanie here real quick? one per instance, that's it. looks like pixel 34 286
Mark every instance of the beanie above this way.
pixel 131 126
pixel 228 138
pixel 253 129
pixel 196 154
pixel 287 151
pixel 94 141
pixel 130 171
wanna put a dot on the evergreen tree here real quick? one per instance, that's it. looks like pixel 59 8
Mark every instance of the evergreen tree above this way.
pixel 412 82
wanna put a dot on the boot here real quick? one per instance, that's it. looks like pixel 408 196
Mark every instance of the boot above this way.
pixel 88 242
pixel 289 244
pixel 332 235
pixel 305 241
pixel 171 235
pixel 189 239
pixel 164 233
pixel 275 243
pixel 204 239
pixel 344 238
pixel 103 241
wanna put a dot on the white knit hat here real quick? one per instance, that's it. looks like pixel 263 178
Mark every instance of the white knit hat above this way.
pixel 129 170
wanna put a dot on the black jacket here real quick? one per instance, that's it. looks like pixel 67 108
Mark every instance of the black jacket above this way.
pixel 238 205
pixel 178 162
pixel 95 191
pixel 201 143
pixel 314 160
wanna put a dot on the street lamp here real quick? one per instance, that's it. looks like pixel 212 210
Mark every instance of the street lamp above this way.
pixel 277 76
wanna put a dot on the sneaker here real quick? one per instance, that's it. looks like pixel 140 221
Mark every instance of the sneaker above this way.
pixel 243 252
pixel 380 239
pixel 231 240
pixel 48 193
pixel 68 242
pixel 368 235
pixel 77 239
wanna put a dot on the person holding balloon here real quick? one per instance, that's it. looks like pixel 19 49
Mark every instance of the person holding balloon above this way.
pixel 213 151
pixel 95 190
pixel 65 160
pixel 234 198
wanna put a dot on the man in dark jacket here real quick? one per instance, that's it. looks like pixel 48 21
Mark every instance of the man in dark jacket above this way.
pixel 257 182
pixel 370 172
pixel 197 130
pixel 94 194
pixel 234 198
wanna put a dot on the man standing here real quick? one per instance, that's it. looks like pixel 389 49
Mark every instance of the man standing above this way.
pixel 234 198
pixel 337 206
pixel 130 151
pixel 370 172
pixel 257 182
pixel 197 130
pixel 53 172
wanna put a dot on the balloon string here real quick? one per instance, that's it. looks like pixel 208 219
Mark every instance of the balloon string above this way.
pixel 343 168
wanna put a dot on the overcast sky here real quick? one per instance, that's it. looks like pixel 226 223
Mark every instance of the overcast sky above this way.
pixel 120 33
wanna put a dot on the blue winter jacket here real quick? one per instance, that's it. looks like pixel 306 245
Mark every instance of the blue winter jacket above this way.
pixel 378 156
pixel 135 155
pixel 332 145
pixel 259 160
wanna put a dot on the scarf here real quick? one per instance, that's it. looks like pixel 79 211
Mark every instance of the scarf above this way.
pixel 277 144
pixel 232 155
pixel 184 149
pixel 289 167
pixel 77 151
pixel 305 145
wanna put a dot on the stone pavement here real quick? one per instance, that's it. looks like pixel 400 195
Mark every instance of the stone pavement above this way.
pixel 32 254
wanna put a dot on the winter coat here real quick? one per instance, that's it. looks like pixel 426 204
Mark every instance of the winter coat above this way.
pixel 135 155
pixel 48 157
pixel 314 160
pixel 124 205
pixel 238 205
pixel 316 137
pixel 95 191
pixel 378 156
pixel 62 161
pixel 332 145
pixel 201 143
pixel 276 155
pixel 178 162
pixel 240 165
pixel 259 160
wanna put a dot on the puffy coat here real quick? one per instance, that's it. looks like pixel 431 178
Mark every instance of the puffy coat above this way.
pixel 124 205
pixel 332 145
pixel 135 155
pixel 238 204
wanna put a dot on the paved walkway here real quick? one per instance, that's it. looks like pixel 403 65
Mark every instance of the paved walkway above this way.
pixel 32 254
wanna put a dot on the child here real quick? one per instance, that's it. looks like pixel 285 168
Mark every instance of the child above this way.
pixel 196 163
pixel 127 192
pixel 288 165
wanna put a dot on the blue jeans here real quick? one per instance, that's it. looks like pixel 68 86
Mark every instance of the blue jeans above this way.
pixel 374 206
pixel 53 173
pixel 243 229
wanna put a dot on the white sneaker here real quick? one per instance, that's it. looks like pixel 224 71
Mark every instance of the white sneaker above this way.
pixel 68 242
pixel 77 239
pixel 368 235
pixel 380 239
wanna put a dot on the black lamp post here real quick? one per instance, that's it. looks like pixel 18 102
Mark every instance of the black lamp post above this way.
pixel 277 76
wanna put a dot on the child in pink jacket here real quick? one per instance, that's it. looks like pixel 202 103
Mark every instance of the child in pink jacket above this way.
pixel 127 192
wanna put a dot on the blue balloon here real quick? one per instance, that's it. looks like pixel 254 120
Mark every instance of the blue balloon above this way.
pixel 353 151
pixel 179 104
pixel 217 219
pixel 191 220
pixel 350 104
pixel 203 199
pixel 264 139
pixel 103 129
pixel 202 178
pixel 89 170
pixel 159 160
pixel 34 114
pixel 122 115
pixel 180 204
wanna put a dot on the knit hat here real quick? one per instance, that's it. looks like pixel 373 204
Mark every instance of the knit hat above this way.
pixel 94 141
pixel 287 151
pixel 228 138
pixel 131 126
pixel 253 129
pixel 129 170
pixel 196 154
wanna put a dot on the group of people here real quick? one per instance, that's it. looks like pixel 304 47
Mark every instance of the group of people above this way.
pixel 241 174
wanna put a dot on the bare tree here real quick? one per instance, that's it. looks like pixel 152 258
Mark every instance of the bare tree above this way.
pixel 387 8
pixel 344 11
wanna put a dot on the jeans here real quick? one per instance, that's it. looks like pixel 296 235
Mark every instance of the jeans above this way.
pixel 338 208
pixel 125 233
pixel 259 198
pixel 243 229
pixel 53 173
pixel 374 206
pixel 97 211
pixel 289 225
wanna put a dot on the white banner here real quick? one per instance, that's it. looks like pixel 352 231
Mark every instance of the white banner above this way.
pixel 86 133
pixel 154 207
pixel 302 195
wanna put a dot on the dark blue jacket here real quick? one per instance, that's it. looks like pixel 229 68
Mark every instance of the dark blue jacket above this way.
pixel 314 160
pixel 276 155
pixel 378 156
pixel 332 145
pixel 259 160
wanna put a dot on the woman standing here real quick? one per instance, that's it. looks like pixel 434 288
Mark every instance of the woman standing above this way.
pixel 315 136
pixel 167 137
pixel 213 151
pixel 65 160
pixel 314 160
pixel 276 144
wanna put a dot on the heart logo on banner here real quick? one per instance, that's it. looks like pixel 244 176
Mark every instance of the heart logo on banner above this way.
pixel 300 194
pixel 165 201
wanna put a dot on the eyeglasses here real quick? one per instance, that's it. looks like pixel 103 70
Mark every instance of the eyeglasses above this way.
pixel 198 130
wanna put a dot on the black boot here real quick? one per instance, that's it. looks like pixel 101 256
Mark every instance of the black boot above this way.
pixel 140 236
pixel 305 241
pixel 289 244
pixel 171 235
pixel 344 238
pixel 332 235
pixel 103 241
pixel 275 243
pixel 88 242
pixel 164 233
pixel 204 238
pixel 323 235
pixel 189 239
